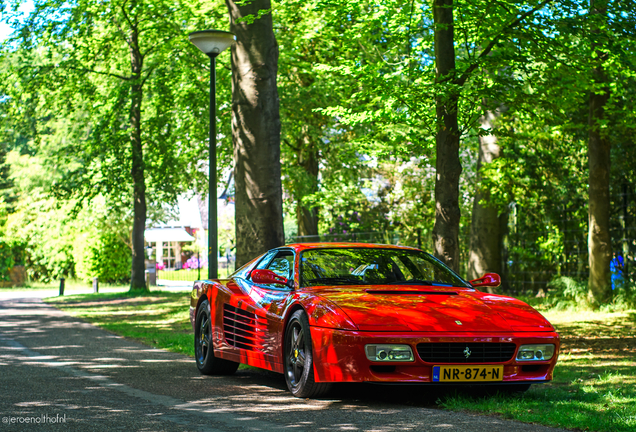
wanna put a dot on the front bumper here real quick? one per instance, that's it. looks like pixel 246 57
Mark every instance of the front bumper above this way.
pixel 339 356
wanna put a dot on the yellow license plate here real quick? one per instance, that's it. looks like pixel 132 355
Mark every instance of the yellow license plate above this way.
pixel 477 373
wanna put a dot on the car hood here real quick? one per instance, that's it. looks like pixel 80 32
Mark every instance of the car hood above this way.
pixel 433 309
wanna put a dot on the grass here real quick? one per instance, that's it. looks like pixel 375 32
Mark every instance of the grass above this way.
pixel 159 318
pixel 594 386
pixel 71 286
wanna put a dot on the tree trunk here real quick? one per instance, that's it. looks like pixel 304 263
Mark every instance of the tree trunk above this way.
pixel 448 166
pixel 504 231
pixel 598 153
pixel 138 274
pixel 255 132
pixel 485 239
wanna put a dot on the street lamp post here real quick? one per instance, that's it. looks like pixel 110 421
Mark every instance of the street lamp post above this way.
pixel 212 43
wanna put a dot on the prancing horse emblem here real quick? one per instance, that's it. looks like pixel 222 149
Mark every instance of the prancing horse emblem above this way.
pixel 467 352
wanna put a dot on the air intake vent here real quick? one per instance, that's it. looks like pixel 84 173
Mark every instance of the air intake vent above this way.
pixel 411 292
pixel 466 352
pixel 241 328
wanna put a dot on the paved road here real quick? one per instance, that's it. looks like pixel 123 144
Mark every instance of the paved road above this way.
pixel 64 374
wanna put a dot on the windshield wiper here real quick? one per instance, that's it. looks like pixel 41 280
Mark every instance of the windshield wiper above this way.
pixel 424 282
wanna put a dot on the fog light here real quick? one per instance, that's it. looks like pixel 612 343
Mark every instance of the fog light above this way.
pixel 383 353
pixel 535 352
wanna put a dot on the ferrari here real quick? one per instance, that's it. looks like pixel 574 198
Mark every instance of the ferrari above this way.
pixel 323 313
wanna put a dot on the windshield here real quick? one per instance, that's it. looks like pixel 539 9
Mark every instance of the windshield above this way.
pixel 357 266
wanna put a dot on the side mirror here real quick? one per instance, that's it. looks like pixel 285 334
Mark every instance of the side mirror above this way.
pixel 487 280
pixel 262 276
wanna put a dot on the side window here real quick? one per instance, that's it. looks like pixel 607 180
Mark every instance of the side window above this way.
pixel 243 271
pixel 266 259
pixel 283 264
pixel 255 263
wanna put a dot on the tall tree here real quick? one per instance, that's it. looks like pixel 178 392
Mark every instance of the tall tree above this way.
pixel 485 239
pixel 255 130
pixel 112 66
pixel 599 147
pixel 448 166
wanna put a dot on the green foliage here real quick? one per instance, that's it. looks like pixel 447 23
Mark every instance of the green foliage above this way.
pixel 80 69
pixel 46 234
pixel 71 77
pixel 6 260
pixel 357 87
pixel 568 289
pixel 103 255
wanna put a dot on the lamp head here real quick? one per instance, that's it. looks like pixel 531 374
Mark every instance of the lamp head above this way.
pixel 212 42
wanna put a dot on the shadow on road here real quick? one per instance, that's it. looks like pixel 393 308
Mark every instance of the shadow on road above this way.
pixel 55 364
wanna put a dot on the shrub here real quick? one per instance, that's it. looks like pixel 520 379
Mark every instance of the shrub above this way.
pixel 103 255
pixel 6 260
pixel 569 289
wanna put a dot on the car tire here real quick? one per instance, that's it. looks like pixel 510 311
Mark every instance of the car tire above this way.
pixel 298 359
pixel 204 349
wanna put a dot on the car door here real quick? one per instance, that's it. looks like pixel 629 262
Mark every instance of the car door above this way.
pixel 272 299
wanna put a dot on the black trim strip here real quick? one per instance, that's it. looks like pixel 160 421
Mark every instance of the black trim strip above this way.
pixel 402 292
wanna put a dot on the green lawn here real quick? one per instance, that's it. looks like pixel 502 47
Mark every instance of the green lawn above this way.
pixel 159 318
pixel 594 385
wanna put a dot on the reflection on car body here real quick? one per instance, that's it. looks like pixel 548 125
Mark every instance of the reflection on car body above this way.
pixel 321 313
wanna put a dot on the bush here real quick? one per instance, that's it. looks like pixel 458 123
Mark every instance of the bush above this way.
pixel 569 289
pixel 567 293
pixel 19 251
pixel 103 255
pixel 6 260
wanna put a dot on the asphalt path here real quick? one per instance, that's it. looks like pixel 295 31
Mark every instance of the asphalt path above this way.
pixel 58 373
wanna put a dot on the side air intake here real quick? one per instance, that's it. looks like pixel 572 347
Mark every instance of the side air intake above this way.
pixel 241 328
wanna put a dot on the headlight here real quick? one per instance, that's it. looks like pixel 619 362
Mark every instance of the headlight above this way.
pixel 389 353
pixel 535 352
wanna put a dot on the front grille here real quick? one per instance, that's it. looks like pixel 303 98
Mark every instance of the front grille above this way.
pixel 456 352
pixel 240 328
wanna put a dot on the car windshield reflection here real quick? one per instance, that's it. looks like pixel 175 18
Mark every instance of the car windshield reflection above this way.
pixel 375 266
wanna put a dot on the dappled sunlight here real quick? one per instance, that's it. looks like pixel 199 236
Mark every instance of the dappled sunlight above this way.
pixel 594 383
pixel 40 348
pixel 114 367
pixel 569 316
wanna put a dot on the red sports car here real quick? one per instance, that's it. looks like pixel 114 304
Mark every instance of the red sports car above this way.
pixel 342 312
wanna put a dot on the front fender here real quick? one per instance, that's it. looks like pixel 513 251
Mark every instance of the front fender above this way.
pixel 324 313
